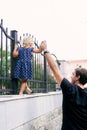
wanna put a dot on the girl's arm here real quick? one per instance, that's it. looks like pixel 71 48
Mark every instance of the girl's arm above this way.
pixel 39 50
pixel 15 51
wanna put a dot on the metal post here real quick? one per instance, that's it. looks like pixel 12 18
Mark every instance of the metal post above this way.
pixel 13 61
pixel 45 75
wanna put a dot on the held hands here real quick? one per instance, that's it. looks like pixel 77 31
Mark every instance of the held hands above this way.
pixel 43 45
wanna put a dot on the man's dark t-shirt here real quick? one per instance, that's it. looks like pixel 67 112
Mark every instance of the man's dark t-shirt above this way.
pixel 74 106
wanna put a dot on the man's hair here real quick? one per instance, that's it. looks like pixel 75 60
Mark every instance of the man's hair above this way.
pixel 82 72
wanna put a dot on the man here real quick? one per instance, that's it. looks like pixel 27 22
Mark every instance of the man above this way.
pixel 74 106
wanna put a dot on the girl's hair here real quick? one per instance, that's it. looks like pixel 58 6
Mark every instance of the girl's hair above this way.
pixel 27 41
pixel 82 72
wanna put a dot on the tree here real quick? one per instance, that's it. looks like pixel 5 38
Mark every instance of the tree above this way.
pixel 5 68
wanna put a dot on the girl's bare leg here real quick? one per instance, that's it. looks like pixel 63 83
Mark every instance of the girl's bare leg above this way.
pixel 22 88
pixel 28 90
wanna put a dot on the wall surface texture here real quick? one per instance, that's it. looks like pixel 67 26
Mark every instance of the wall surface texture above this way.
pixel 31 112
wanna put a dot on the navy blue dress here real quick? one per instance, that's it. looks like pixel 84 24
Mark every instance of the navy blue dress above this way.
pixel 23 67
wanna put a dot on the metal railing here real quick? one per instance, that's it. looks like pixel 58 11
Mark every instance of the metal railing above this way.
pixel 42 79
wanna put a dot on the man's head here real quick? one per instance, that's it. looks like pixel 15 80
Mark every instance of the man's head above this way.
pixel 79 76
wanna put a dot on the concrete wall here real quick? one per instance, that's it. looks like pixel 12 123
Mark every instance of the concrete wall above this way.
pixel 31 112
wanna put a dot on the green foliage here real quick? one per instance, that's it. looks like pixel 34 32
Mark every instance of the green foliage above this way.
pixel 5 65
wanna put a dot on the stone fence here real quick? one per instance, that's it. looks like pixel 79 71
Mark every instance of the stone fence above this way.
pixel 31 112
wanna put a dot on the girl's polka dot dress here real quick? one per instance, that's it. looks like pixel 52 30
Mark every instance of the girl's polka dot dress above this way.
pixel 23 67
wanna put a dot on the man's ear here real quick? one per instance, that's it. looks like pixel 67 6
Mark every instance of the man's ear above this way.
pixel 78 77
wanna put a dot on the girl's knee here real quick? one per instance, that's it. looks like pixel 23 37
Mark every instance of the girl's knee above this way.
pixel 23 80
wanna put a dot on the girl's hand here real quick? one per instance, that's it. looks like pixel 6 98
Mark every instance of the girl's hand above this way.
pixel 16 46
pixel 15 51
pixel 40 49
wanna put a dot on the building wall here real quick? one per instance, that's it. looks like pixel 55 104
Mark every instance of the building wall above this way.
pixel 64 68
pixel 67 67
pixel 49 121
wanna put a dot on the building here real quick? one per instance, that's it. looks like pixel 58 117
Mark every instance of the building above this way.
pixel 67 67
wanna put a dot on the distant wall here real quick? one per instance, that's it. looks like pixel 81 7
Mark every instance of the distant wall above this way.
pixel 31 112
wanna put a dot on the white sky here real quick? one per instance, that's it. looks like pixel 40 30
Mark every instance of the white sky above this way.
pixel 62 23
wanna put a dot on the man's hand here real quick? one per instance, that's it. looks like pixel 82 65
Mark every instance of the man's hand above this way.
pixel 43 45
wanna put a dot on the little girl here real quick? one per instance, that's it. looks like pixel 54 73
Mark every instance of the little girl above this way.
pixel 23 68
